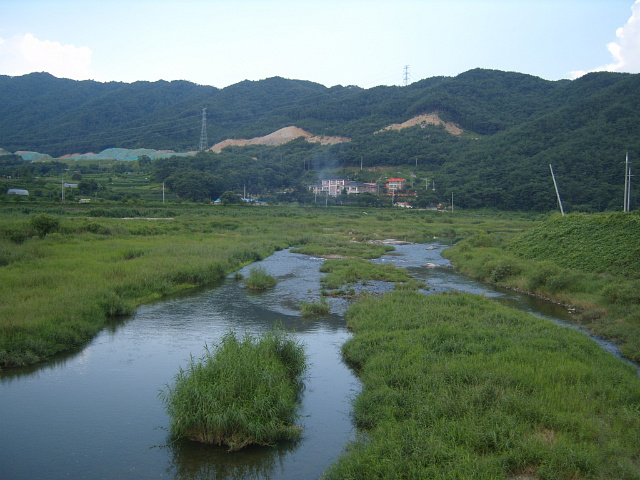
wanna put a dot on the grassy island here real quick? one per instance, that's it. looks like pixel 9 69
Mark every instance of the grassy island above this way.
pixel 243 392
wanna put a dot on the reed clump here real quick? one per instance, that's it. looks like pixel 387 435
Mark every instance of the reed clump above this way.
pixel 244 392
pixel 314 309
pixel 259 279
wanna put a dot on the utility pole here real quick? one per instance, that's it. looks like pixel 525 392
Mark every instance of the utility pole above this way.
pixel 557 192
pixel 627 185
pixel 203 131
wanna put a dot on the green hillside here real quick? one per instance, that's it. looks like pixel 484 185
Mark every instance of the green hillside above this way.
pixel 514 126
pixel 597 243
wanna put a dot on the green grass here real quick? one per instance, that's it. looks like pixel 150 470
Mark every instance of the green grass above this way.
pixel 589 262
pixel 259 279
pixel 331 246
pixel 242 393
pixel 603 243
pixel 460 387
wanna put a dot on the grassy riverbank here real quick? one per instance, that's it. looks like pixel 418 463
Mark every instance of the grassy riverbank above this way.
pixel 65 274
pixel 460 387
pixel 591 262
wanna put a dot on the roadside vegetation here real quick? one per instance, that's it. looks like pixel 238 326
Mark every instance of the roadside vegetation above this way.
pixel 588 262
pixel 244 392
pixel 459 387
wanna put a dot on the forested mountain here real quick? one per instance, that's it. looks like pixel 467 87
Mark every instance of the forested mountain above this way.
pixel 514 126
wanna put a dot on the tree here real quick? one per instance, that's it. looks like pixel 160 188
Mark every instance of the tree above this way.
pixel 231 198
pixel 87 187
pixel 195 185
pixel 144 162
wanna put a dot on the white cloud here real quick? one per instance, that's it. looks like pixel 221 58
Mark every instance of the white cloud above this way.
pixel 626 50
pixel 24 54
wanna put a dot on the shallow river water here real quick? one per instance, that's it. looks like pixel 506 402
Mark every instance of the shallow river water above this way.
pixel 96 414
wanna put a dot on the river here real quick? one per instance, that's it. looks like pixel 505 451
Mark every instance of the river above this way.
pixel 96 414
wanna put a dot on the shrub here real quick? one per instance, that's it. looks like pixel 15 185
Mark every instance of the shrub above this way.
pixel 564 280
pixel 622 293
pixel 541 272
pixel 244 392
pixel 44 224
pixel 504 269
pixel 481 240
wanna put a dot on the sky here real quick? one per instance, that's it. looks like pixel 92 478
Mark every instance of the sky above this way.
pixel 331 42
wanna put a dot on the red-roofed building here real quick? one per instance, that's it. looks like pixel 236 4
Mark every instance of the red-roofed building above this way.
pixel 395 184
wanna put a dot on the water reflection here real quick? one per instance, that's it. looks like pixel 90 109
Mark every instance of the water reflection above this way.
pixel 191 461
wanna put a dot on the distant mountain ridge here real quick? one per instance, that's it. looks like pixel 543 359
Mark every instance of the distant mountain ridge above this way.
pixel 39 112
pixel 509 127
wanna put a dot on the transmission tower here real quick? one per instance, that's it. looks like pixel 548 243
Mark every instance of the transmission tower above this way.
pixel 406 75
pixel 203 132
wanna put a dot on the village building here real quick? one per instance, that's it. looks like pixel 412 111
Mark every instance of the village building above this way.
pixel 336 186
pixel 395 184
pixel 357 187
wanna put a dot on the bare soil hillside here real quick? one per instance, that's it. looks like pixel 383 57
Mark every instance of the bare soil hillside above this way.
pixel 280 137
pixel 426 119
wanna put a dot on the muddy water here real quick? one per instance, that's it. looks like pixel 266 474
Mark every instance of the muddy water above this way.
pixel 96 414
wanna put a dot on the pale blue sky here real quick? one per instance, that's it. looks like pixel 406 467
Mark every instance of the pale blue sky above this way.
pixel 365 43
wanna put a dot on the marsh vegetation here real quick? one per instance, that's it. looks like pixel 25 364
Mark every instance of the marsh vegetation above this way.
pixel 66 274
pixel 454 386
pixel 459 387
